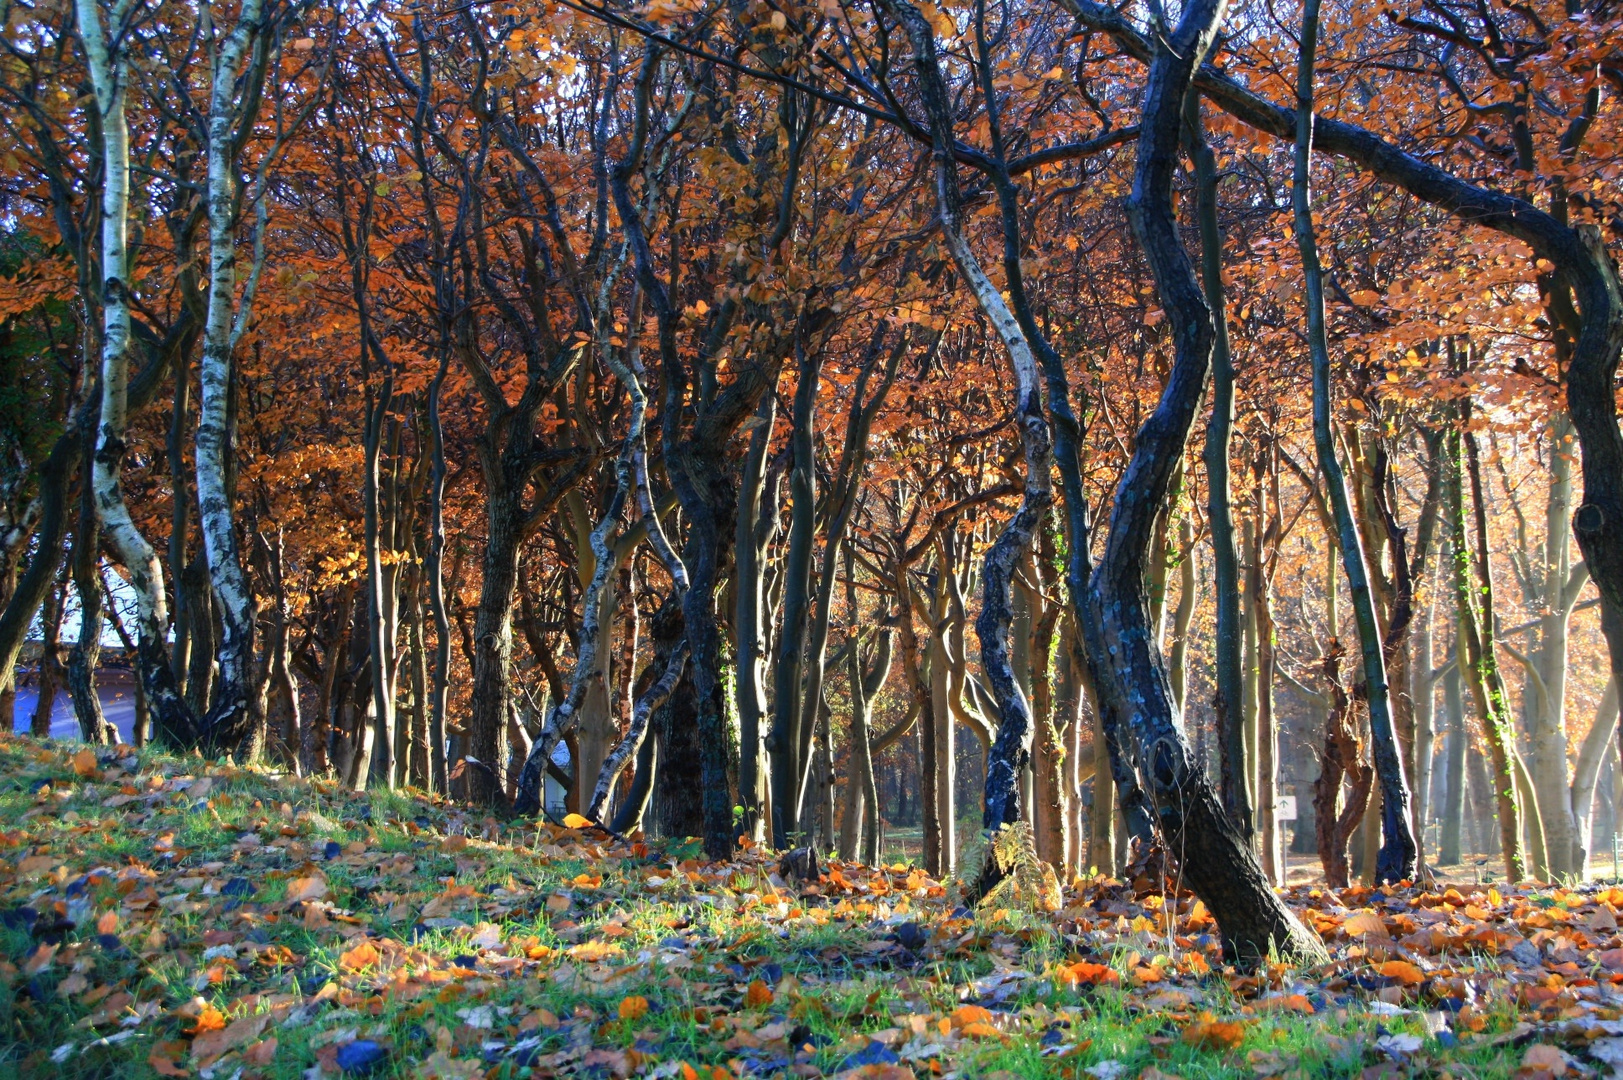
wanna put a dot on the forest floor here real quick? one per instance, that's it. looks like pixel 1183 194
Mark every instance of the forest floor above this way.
pixel 160 916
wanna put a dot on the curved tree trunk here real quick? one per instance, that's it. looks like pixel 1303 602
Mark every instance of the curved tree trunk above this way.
pixel 108 71
pixel 1217 863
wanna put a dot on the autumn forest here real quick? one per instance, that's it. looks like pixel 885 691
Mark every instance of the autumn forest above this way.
pixel 1029 440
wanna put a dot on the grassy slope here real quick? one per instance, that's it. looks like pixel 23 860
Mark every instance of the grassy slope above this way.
pixel 232 922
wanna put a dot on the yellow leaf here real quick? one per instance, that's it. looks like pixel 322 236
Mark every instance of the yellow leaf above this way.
pixel 575 821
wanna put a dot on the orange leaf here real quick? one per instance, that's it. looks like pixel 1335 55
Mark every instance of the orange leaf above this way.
pixel 1403 971
pixel 1209 1033
pixel 758 996
pixel 1083 972
pixel 364 955
pixel 1365 924
pixel 84 763
pixel 210 1019
pixel 634 1007
pixel 965 1015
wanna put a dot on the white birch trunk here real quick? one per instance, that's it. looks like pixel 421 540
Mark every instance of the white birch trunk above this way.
pixel 107 73
pixel 227 721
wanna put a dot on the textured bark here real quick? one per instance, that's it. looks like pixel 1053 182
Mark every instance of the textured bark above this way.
pixel 861 831
pixel 1184 616
pixel 651 699
pixel 83 661
pixel 1583 270
pixel 1398 851
pixel 1559 584
pixel 918 687
pixel 1423 695
pixel 1216 861
pixel 784 747
pixel 1340 762
pixel 1266 518
pixel 51 672
pixel 1474 583
pixel 54 479
pixel 108 72
pixel 1453 815
pixel 756 524
pixel 1228 703
pixel 228 721
pixel 1048 748
pixel 1591 755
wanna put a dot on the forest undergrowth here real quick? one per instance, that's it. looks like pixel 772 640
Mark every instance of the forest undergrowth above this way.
pixel 166 916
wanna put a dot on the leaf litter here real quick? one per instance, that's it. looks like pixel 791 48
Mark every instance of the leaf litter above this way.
pixel 165 916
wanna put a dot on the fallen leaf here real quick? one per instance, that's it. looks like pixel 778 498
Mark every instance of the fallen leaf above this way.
pixel 1403 971
pixel 208 1046
pixel 1541 1057
pixel 84 763
pixel 362 956
pixel 313 887
pixel 634 1007
pixel 1365 924
pixel 1210 1033
pixel 165 1066
pixel 758 995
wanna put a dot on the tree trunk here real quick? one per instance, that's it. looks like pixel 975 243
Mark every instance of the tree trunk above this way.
pixel 108 70
pixel 1398 851
pixel 228 721
pixel 1228 702
pixel 1481 663
pixel 1561 584
pixel 1448 848
pixel 1591 755
pixel 1423 696
pixel 1267 738
pixel 755 525
pixel 1340 761
pixel 54 479
pixel 923 698
pixel 94 727
pixel 50 661
pixel 1216 861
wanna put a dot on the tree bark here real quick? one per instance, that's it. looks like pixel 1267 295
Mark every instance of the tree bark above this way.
pixel 1397 860
pixel 1481 664
pixel 109 76
pixel 228 721
pixel 1228 703
pixel 1216 861
pixel 756 522
pixel 1340 761
pixel 1448 847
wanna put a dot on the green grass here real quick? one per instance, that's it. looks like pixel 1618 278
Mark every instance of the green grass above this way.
pixel 570 950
